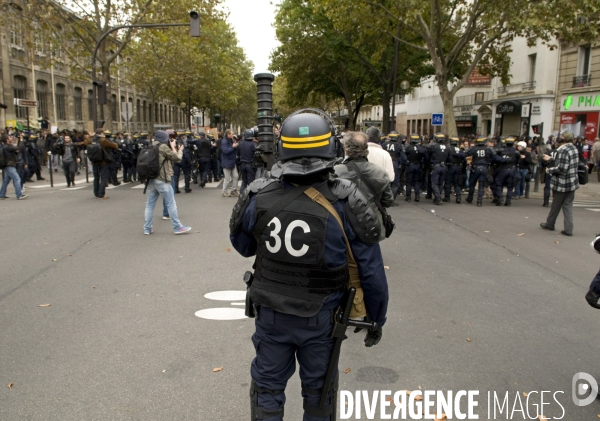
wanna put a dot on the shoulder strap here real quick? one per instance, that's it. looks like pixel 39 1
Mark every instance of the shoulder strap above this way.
pixel 317 197
pixel 287 198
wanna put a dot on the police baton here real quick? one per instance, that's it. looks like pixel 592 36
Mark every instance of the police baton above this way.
pixel 339 333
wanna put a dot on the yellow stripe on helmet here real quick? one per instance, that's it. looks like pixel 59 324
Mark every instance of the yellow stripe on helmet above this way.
pixel 306 139
pixel 305 145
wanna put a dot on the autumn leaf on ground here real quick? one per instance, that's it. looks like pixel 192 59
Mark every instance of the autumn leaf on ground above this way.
pixel 44 305
pixel 420 388
pixel 417 398
pixel 443 418
pixel 557 242
pixel 468 339
pixel 70 255
pixel 216 370
pixel 347 370
pixel 543 418
pixel 485 231
pixel 54 260
pixel 386 267
pixel 228 250
pixel 522 234
pixel 10 385
pixel 525 394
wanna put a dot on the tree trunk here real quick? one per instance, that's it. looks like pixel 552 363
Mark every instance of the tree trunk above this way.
pixel 385 103
pixel 449 126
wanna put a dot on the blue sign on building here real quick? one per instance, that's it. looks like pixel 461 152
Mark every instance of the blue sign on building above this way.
pixel 437 119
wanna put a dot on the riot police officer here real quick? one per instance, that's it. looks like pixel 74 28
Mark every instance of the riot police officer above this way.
pixel 395 150
pixel 113 156
pixel 185 165
pixel 506 171
pixel 33 158
pixel 438 156
pixel 301 247
pixel 246 150
pixel 453 173
pixel 204 159
pixel 415 155
pixel 482 155
pixel 127 158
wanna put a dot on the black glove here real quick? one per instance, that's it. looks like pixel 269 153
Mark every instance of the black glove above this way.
pixel 373 337
pixel 592 299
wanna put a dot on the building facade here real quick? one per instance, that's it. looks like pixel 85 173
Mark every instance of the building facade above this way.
pixel 44 76
pixel 578 100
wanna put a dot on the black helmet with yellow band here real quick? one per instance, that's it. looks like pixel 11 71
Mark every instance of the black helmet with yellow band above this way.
pixel 454 140
pixel 305 134
pixel 481 139
pixel 307 144
pixel 415 138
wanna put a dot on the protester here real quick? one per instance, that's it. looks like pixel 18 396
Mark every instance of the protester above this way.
pixel 11 153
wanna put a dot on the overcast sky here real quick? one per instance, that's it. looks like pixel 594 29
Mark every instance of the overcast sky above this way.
pixel 253 24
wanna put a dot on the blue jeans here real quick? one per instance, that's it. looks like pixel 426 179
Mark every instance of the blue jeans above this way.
pixel 155 188
pixel 10 173
pixel 520 188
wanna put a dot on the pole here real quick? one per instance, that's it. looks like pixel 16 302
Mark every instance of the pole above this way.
pixel 104 35
pixel 87 169
pixel 51 175
pixel 53 95
pixel 395 81
pixel 190 109
pixel 28 126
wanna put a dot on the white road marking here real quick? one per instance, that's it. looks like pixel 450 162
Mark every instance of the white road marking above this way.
pixel 221 314
pixel 226 295
pixel 593 210
pixel 73 188
pixel 238 304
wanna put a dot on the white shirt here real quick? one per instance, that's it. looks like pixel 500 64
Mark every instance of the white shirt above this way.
pixel 379 156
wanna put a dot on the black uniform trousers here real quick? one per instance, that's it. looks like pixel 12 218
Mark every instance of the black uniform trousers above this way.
pixel 178 167
pixel 413 179
pixel 248 174
pixel 478 175
pixel 281 339
pixel 205 168
pixel 437 180
pixel 452 176
pixel 547 189
pixel 505 178
pixel 396 181
pixel 101 175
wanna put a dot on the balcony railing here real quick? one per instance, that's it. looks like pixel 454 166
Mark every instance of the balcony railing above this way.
pixel 582 81
pixel 517 87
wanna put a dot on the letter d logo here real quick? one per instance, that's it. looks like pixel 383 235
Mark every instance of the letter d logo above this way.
pixel 580 389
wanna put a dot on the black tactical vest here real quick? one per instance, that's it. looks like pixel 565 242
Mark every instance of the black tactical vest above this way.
pixel 291 275
pixel 510 154
pixel 414 154
pixel 453 158
pixel 481 155
pixel 439 153
pixel 393 149
pixel 204 149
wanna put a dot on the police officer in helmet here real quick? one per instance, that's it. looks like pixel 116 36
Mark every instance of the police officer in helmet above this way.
pixel 415 155
pixel 301 267
pixel 483 156
pixel 246 151
pixel 396 151
pixel 506 170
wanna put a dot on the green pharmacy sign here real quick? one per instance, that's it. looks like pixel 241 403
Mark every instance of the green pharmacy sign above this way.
pixel 581 102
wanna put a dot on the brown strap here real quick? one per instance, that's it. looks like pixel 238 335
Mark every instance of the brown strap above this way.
pixel 317 197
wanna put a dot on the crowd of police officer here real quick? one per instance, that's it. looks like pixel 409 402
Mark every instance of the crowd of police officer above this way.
pixel 443 167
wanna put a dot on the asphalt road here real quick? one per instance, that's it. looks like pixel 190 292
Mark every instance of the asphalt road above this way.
pixel 480 299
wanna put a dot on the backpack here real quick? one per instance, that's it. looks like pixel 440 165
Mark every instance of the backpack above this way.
pixel 582 173
pixel 3 157
pixel 147 163
pixel 95 153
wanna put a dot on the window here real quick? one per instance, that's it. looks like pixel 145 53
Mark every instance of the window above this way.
pixel 113 107
pixel 138 111
pixel 16 35
pixel 144 112
pixel 90 104
pixel 61 103
pixel 41 88
pixel 77 100
pixel 39 46
pixel 584 60
pixel 20 91
pixel 532 60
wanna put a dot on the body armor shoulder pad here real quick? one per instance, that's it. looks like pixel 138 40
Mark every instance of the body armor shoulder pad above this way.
pixel 244 200
pixel 362 214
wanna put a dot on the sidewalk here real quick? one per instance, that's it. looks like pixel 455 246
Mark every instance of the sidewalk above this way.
pixel 591 191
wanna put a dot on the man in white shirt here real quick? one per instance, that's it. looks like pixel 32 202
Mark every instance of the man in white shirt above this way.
pixel 377 155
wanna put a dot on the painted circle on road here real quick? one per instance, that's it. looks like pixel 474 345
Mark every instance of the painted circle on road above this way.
pixel 226 295
pixel 222 313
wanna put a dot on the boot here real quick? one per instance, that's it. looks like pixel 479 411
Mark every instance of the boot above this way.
pixel 495 200
pixel 437 201
pixel 479 202
pixel 499 202
pixel 428 196
pixel 188 190
pixel 177 191
pixel 469 199
pixel 546 204
pixel 507 202
pixel 446 199
pixel 458 200
pixel 407 198
pixel 417 197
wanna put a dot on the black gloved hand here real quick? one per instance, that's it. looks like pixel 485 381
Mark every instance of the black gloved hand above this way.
pixel 373 337
pixel 592 299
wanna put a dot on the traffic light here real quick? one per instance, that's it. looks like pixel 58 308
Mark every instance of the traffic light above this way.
pixel 102 92
pixel 194 24
pixel 538 129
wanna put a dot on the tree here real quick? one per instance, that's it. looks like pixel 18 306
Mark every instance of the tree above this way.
pixel 460 35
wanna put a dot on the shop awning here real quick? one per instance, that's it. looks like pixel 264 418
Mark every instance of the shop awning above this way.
pixel 464 124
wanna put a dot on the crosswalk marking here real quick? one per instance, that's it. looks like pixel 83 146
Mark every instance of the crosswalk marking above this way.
pixel 73 188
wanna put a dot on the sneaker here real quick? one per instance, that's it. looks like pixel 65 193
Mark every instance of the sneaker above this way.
pixel 182 230
pixel 225 194
pixel 166 217
pixel 234 193
pixel 104 198
pixel 23 196
pixel 148 232
pixel 4 198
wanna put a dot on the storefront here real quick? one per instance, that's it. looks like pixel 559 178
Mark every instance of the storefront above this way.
pixel 466 125
pixel 509 120
pixel 580 114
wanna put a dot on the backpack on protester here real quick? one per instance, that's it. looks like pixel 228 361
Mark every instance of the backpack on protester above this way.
pixel 95 153
pixel 147 164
